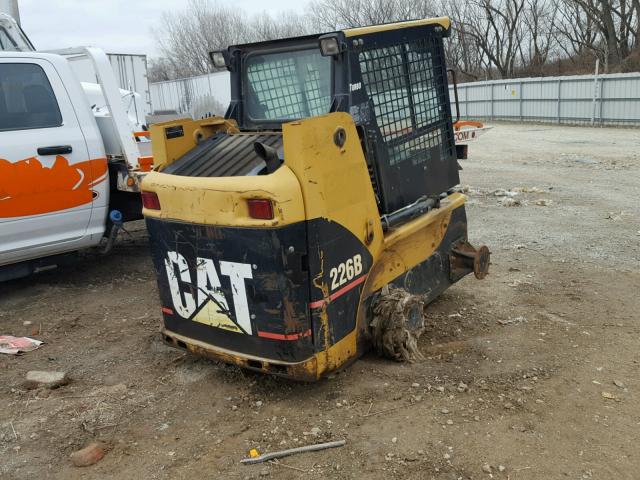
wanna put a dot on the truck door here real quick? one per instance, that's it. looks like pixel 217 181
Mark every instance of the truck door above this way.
pixel 45 173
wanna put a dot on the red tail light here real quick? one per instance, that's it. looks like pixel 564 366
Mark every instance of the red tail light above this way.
pixel 150 200
pixel 260 209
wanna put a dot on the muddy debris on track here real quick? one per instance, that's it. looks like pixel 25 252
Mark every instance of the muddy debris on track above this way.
pixel 397 323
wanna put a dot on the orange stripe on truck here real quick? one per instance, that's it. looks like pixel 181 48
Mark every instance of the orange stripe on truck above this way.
pixel 29 188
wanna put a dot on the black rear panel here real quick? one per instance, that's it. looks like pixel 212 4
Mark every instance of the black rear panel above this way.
pixel 224 155
pixel 240 289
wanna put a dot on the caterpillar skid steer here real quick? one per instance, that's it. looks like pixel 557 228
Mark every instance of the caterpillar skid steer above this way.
pixel 330 178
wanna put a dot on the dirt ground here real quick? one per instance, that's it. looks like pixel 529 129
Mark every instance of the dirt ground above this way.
pixel 532 373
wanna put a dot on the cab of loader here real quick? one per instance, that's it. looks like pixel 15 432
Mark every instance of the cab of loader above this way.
pixel 274 228
pixel 391 79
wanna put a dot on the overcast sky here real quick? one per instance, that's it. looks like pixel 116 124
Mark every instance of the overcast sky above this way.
pixel 118 26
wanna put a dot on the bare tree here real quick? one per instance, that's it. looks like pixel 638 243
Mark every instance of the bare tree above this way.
pixel 539 34
pixel 576 31
pixel 187 37
pixel 616 22
pixel 462 51
pixel 336 14
pixel 288 24
pixel 496 28
pixel 489 38
pixel 160 70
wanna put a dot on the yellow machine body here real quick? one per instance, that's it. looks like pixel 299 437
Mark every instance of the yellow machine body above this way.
pixel 272 236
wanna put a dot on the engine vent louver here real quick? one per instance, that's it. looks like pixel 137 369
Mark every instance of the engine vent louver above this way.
pixel 224 155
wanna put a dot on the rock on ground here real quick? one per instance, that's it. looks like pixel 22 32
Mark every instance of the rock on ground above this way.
pixel 92 453
pixel 37 378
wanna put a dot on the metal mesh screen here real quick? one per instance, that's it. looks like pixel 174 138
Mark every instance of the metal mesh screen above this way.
pixel 406 85
pixel 288 85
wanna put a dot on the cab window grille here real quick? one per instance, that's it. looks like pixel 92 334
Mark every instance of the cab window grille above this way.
pixel 405 83
pixel 288 85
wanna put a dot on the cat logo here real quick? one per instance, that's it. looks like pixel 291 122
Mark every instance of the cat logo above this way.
pixel 207 303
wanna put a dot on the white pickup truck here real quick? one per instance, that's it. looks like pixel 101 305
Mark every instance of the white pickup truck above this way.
pixel 71 158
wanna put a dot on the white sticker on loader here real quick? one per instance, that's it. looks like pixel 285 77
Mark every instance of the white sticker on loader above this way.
pixel 210 303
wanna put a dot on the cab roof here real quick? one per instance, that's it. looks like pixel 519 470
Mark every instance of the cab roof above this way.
pixel 444 22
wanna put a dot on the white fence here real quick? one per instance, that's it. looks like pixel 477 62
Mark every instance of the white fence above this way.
pixel 195 96
pixel 612 99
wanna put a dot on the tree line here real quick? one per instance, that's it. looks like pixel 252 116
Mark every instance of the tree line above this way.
pixel 490 38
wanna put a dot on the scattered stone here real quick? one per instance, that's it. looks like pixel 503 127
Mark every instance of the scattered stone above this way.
pixel 513 321
pixel 446 456
pixel 527 190
pixel 92 453
pixel 265 472
pixel 36 378
pixel 394 440
pixel 619 384
pixel 486 468
pixel 258 404
pixel 315 431
pixel 614 216
pixel 449 422
pixel 501 468
pixel 508 405
pixel 415 385
pixel 440 389
pixel 420 452
pixel 476 418
pixel 501 192
pixel 608 396
pixel 26 323
pixel 444 410
pixel 510 202
pixel 542 202
pixel 462 387
pixel 234 407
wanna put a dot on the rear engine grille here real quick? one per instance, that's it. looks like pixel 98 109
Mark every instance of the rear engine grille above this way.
pixel 224 156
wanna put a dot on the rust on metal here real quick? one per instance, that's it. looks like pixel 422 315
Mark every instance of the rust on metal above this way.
pixel 465 258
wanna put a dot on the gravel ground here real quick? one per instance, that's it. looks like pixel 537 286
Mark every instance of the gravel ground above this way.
pixel 531 373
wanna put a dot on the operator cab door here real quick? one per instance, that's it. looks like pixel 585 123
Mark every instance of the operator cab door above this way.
pixel 400 79
pixel 45 176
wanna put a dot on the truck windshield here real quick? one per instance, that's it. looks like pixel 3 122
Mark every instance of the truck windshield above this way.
pixel 287 85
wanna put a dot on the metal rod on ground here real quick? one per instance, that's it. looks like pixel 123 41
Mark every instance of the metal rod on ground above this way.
pixel 292 451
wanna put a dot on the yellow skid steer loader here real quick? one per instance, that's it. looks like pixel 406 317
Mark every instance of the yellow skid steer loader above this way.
pixel 330 177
